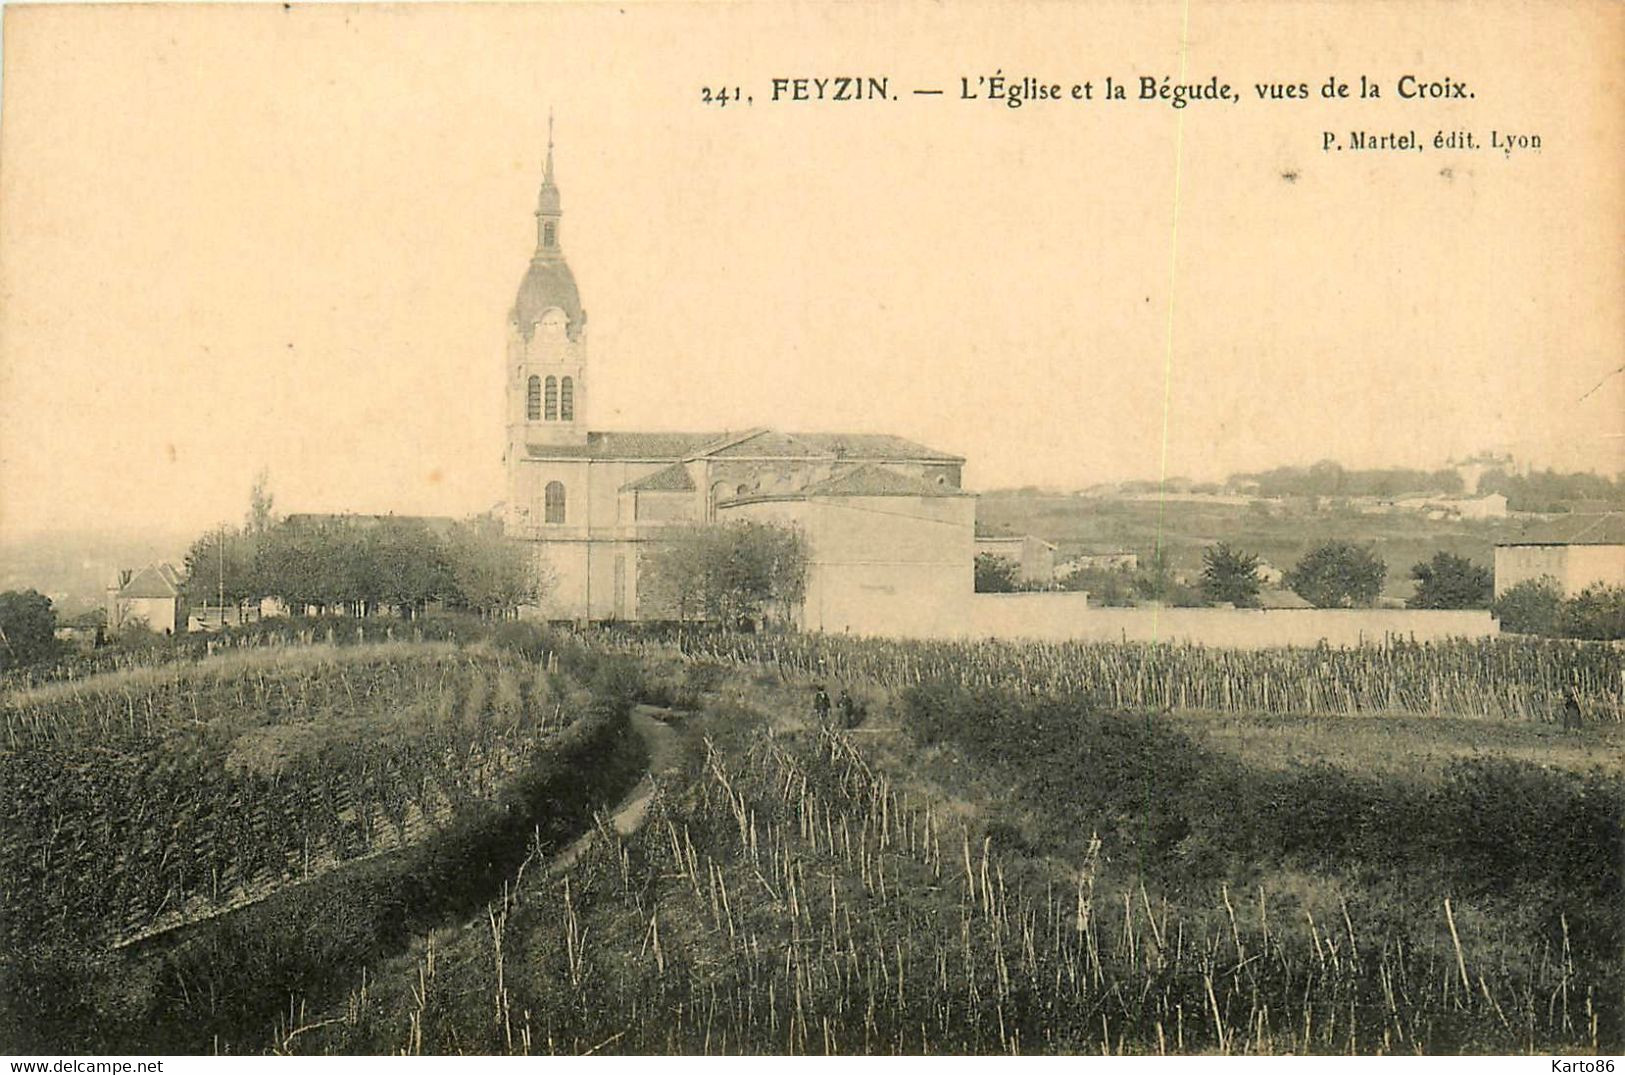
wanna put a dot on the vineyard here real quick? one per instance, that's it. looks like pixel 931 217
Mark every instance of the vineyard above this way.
pixel 792 900
pixel 1521 680
pixel 1016 852
pixel 150 797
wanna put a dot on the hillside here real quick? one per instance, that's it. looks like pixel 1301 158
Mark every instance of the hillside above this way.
pixel 1278 531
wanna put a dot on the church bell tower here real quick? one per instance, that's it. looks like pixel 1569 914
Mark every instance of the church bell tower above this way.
pixel 547 344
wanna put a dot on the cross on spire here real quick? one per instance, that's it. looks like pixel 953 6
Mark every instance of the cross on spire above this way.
pixel 547 175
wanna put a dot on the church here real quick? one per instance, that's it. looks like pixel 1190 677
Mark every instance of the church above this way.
pixel 890 531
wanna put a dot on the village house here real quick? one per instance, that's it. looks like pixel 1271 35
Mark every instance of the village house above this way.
pixel 1034 557
pixel 150 596
pixel 1572 565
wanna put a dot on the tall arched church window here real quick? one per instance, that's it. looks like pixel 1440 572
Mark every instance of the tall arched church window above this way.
pixel 552 412
pixel 553 503
pixel 567 399
pixel 549 233
pixel 533 399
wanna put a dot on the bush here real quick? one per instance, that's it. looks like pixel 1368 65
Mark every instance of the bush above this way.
pixel 1338 575
pixel 996 574
pixel 1597 612
pixel 1448 581
pixel 1531 607
pixel 1537 607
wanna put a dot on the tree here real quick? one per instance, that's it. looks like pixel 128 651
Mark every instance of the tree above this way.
pixel 1449 581
pixel 27 628
pixel 222 563
pixel 400 564
pixel 1531 607
pixel 1109 587
pixel 730 573
pixel 490 574
pixel 307 564
pixel 996 574
pixel 1596 612
pixel 1338 575
pixel 1230 575
pixel 260 504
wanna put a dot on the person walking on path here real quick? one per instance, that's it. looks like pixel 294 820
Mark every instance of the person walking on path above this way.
pixel 821 704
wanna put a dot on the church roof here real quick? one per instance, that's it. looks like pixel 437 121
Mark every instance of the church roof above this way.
pixel 548 283
pixel 673 479
pixel 752 444
pixel 866 480
pixel 870 480
pixel 875 446
pixel 668 447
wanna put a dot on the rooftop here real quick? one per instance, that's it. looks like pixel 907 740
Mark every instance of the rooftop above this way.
pixel 155 580
pixel 673 479
pixel 749 444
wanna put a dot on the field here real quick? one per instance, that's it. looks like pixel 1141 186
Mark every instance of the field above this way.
pixel 150 798
pixel 1000 857
pixel 1184 528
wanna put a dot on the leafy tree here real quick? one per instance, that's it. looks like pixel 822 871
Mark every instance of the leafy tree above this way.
pixel 731 573
pixel 1338 575
pixel 1157 582
pixel 1449 581
pixel 1531 607
pixel 400 564
pixel 309 564
pixel 1596 612
pixel 489 573
pixel 1230 575
pixel 260 504
pixel 996 574
pixel 1109 587
pixel 27 628
pixel 222 561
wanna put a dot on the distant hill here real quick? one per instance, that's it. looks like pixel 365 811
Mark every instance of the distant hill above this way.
pixel 74 567
pixel 1279 531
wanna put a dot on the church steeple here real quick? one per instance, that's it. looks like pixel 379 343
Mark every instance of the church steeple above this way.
pixel 547 346
pixel 548 284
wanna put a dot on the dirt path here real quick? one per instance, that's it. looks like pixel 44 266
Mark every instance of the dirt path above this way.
pixel 661 741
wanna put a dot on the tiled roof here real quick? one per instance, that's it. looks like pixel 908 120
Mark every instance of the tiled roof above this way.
pixel 874 446
pixel 876 481
pixel 670 446
pixel 672 479
pixel 750 444
pixel 1593 528
pixel 154 580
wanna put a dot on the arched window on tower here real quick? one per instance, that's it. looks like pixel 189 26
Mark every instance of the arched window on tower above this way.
pixel 552 412
pixel 533 399
pixel 553 503
pixel 549 233
pixel 567 399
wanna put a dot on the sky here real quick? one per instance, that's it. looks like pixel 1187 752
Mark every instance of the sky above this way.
pixel 235 238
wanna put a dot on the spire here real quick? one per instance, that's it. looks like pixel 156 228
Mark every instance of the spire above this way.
pixel 547 176
pixel 547 202
pixel 548 283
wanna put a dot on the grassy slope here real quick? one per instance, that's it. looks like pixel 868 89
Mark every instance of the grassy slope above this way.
pixel 1416 748
pixel 1074 524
